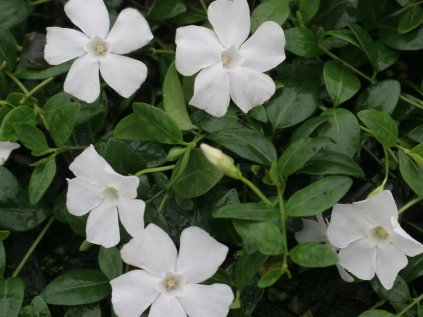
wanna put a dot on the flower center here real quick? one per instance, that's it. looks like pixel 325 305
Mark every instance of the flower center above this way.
pixel 98 47
pixel 111 193
pixel 380 233
pixel 171 283
pixel 101 48
pixel 230 57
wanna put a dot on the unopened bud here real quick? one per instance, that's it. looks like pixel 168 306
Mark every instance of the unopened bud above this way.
pixel 221 161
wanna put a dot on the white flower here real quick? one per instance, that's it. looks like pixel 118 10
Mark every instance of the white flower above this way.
pixel 5 149
pixel 108 195
pixel 221 161
pixel 98 50
pixel 316 231
pixel 168 281
pixel 230 66
pixel 371 239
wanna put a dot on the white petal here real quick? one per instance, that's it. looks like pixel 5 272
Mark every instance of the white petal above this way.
pixel 359 259
pixel 166 306
pixel 6 148
pixel 264 50
pixel 200 255
pixel 230 20
pixel 131 214
pixel 133 292
pixel 197 47
pixel 389 262
pixel 90 166
pixel 126 185
pixel 403 241
pixel 152 250
pixel 125 75
pixel 82 196
pixel 83 80
pixel 90 16
pixel 63 45
pixel 211 91
pixel 347 224
pixel 129 33
pixel 206 300
pixel 344 274
pixel 380 208
pixel 312 232
pixel 103 226
pixel 250 88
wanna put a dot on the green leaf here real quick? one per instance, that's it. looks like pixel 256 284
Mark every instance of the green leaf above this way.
pixel 308 9
pixel 166 9
pixel 272 10
pixel 110 262
pixel 11 295
pixel 302 42
pixel 381 126
pixel 211 124
pixel 412 173
pixel 2 259
pixel 366 42
pixel 248 211
pixel 383 96
pixel 313 254
pixel 398 296
pixel 414 268
pixel 174 100
pixel 386 57
pixel 317 197
pixel 8 53
pixel 298 153
pixel 410 41
pixel 21 114
pixel 371 12
pixel 41 178
pixel 9 186
pixel 341 82
pixel 246 268
pixel 410 19
pixel 22 217
pixel 335 14
pixel 44 73
pixel 264 237
pixel 30 136
pixel 270 277
pixel 4 234
pixel 198 178
pixel 77 287
pixel 62 122
pixel 13 12
pixel 38 308
pixel 85 311
pixel 148 123
pixel 247 143
pixel 376 313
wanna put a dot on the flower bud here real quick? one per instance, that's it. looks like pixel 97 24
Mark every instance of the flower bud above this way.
pixel 221 161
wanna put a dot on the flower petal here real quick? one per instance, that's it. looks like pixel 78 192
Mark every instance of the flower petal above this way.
pixel 90 16
pixel 344 274
pixel 103 226
pixel 83 80
pixel 131 214
pixel 389 262
pixel 379 208
pixel 359 259
pixel 6 148
pixel 90 166
pixel 230 20
pixel 125 185
pixel 125 75
pixel 403 241
pixel 129 33
pixel 152 250
pixel 312 231
pixel 63 45
pixel 206 300
pixel 197 47
pixel 200 255
pixel 82 196
pixel 264 50
pixel 250 88
pixel 133 292
pixel 166 306
pixel 211 91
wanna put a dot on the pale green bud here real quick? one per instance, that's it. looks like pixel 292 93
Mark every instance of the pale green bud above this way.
pixel 221 161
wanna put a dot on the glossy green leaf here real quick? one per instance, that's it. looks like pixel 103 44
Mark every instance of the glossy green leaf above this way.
pixel 318 196
pixel 30 136
pixel 110 262
pixel 166 9
pixel 414 268
pixel 383 96
pixel 13 12
pixel 44 73
pixel 62 122
pixel 386 57
pixel 37 308
pixel 11 296
pixel 341 82
pixel 272 10
pixel 21 114
pixel 302 42
pixel 148 123
pixel 381 126
pixel 9 186
pixel 22 216
pixel 8 53
pixel 40 181
pixel 313 254
pixel 412 173
pixel 410 41
pixel 212 124
pixel 248 211
pixel 270 277
pixel 174 100
pixel 77 287
pixel 246 267
pixel 335 14
pixel 366 43
pixel 398 296
pixel 308 9
pixel 410 19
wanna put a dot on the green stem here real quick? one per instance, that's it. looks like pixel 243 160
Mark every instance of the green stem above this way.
pixel 385 179
pixel 33 247
pixel 161 51
pixel 152 198
pixel 73 148
pixel 17 82
pixel 416 301
pixel 403 9
pixel 409 204
pixel 283 217
pixel 203 4
pixel 255 189
pixel 394 157
pixel 155 169
pixel 163 203
pixel 37 2
pixel 411 102
pixel 35 89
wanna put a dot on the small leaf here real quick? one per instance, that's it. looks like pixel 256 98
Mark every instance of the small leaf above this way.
pixel 38 308
pixel 272 10
pixel 382 96
pixel 62 122
pixel 247 211
pixel 30 136
pixel 19 114
pixel 381 126
pixel 412 172
pixel 308 9
pixel 302 42
pixel 366 43
pixel 11 296
pixel 410 19
pixel 270 277
pixel 246 267
pixel 110 262
pixel 41 178
pixel 166 9
pixel 8 53
pixel 313 254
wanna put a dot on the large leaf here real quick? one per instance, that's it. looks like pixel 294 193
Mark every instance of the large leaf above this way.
pixel 41 178
pixel 9 186
pixel 410 19
pixel 11 296
pixel 371 12
pixel 13 12
pixel 62 122
pixel 21 114
pixel 366 43
pixel 410 41
pixel 302 42
pixel 412 172
pixel 335 14
pixel 308 9
pixel 381 126
pixel 383 96
pixel 32 137
pixel 312 254
pixel 272 10
pixel 110 262
pixel 247 211
pixel 166 9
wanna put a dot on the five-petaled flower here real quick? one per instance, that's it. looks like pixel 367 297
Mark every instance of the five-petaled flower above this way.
pixel 228 65
pixel 108 195
pixel 168 280
pixel 370 239
pixel 98 50
pixel 5 149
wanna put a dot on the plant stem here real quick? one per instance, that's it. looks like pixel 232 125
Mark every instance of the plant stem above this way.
pixel 283 217
pixel 37 2
pixel 414 302
pixel 409 204
pixel 155 169
pixel 35 89
pixel 17 82
pixel 161 51
pixel 411 102
pixel 385 179
pixel 163 203
pixel 203 4
pixel 255 189
pixel 33 247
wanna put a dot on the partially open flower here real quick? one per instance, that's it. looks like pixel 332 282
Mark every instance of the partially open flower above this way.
pixel 168 280
pixel 229 65
pixel 221 161
pixel 370 239
pixel 5 149
pixel 107 195
pixel 98 49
